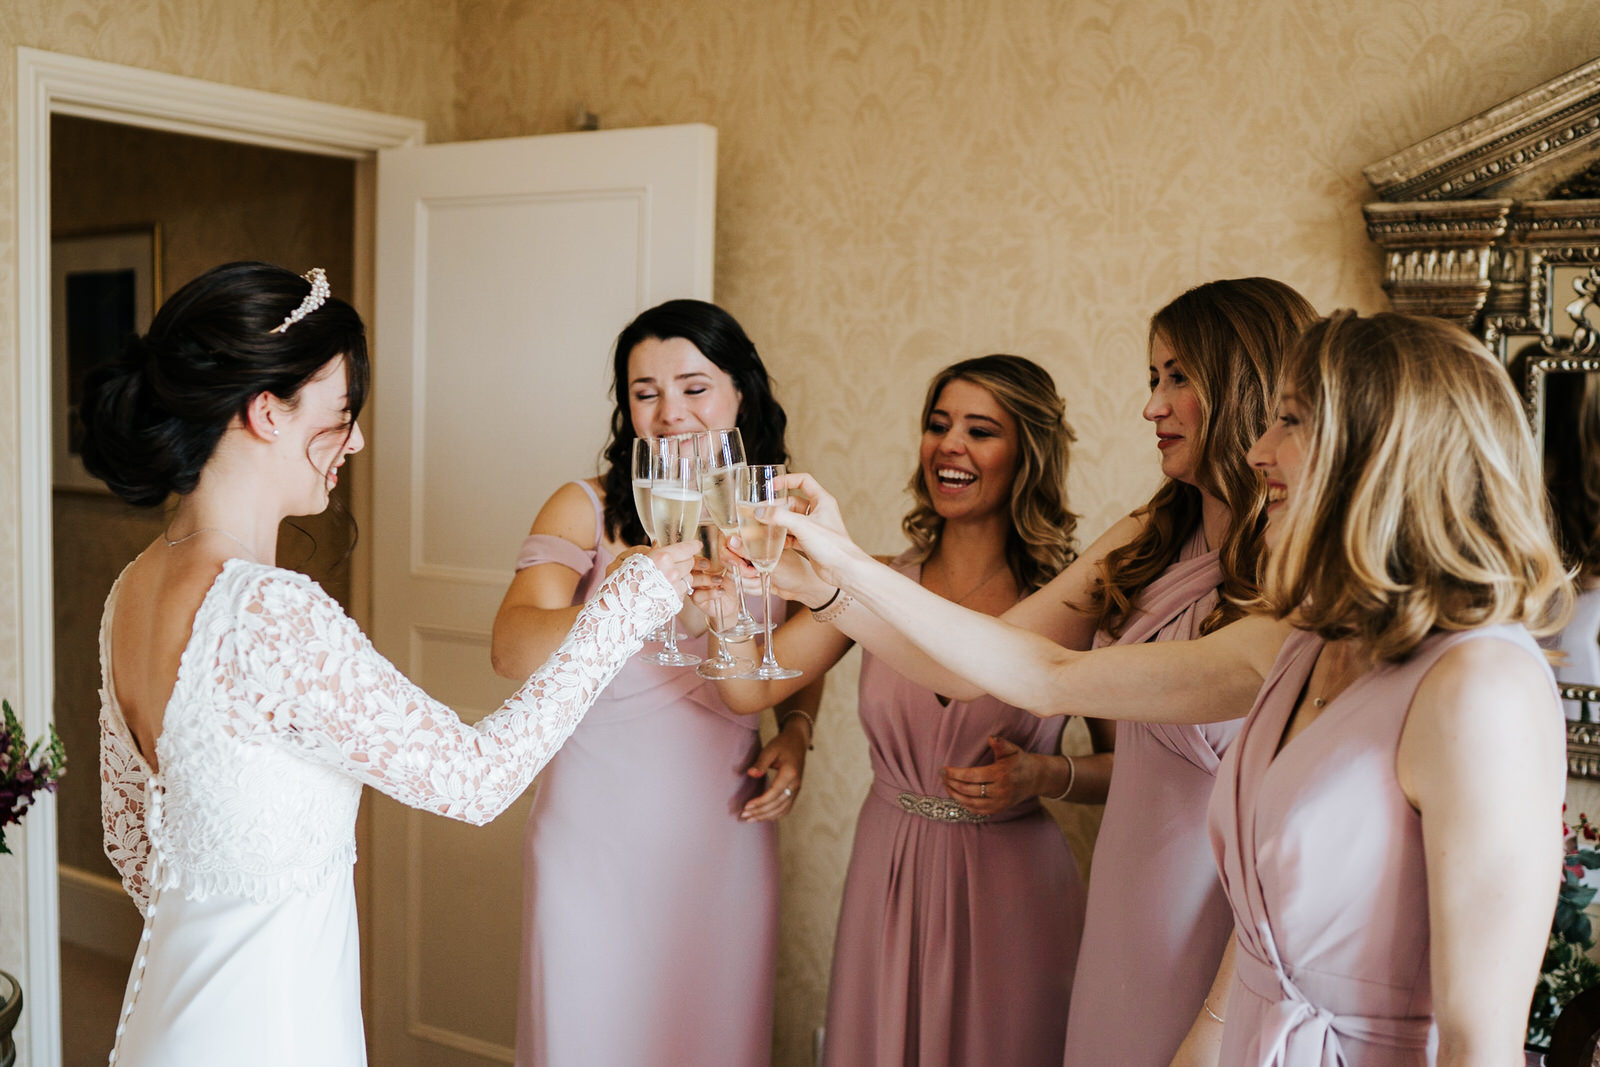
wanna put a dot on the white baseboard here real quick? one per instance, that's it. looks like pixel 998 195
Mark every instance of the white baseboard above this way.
pixel 97 914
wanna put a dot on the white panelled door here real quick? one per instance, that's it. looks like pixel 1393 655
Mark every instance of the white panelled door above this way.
pixel 505 269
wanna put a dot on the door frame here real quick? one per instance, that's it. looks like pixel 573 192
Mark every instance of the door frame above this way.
pixel 49 84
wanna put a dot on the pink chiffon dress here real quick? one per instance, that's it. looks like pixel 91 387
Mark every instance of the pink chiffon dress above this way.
pixel 1157 921
pixel 957 934
pixel 650 912
pixel 1321 857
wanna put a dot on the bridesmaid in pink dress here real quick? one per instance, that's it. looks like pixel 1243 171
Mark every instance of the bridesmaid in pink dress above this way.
pixel 650 865
pixel 1388 821
pixel 957 930
pixel 1153 943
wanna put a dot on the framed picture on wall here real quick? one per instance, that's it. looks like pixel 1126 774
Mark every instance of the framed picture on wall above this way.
pixel 104 287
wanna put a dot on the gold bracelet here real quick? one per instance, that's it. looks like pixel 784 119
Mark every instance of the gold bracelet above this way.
pixel 1072 779
pixel 1206 1004
pixel 811 734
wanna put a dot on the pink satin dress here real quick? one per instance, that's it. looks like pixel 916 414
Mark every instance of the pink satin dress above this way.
pixel 1157 920
pixel 650 912
pixel 1321 857
pixel 956 939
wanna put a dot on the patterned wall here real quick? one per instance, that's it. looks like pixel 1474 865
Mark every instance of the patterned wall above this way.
pixel 385 55
pixel 903 183
pixel 907 182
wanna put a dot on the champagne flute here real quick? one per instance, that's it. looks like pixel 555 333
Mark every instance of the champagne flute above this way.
pixel 723 665
pixel 675 514
pixel 722 458
pixel 643 454
pixel 758 498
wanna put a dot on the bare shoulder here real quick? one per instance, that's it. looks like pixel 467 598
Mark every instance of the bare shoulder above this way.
pixel 569 514
pixel 1490 679
pixel 1486 702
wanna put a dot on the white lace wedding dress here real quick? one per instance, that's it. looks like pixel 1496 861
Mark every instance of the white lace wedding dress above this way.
pixel 239 851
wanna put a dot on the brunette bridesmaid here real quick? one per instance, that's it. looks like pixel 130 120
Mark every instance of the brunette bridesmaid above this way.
pixel 650 919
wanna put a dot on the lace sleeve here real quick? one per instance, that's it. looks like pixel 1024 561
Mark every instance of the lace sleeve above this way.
pixel 122 791
pixel 308 674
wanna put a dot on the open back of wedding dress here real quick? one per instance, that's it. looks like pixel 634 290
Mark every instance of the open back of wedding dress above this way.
pixel 239 850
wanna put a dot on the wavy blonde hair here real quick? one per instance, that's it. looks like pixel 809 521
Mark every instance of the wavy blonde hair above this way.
pixel 1421 506
pixel 1040 543
pixel 1229 337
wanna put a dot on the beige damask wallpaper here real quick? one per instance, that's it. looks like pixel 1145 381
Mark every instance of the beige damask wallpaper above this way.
pixel 902 183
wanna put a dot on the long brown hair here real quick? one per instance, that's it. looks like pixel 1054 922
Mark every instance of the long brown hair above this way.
pixel 1040 542
pixel 1229 337
pixel 1420 506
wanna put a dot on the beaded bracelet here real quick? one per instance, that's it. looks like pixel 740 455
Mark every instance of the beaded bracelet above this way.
pixel 833 608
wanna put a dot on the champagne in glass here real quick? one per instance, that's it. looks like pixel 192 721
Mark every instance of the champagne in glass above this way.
pixel 722 458
pixel 759 498
pixel 643 457
pixel 675 511
pixel 763 543
pixel 674 514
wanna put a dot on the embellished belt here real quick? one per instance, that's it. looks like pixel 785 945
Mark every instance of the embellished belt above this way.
pixel 939 809
pixel 945 810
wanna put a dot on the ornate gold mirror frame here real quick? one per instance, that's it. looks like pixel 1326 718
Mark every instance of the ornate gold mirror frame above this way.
pixel 1488 224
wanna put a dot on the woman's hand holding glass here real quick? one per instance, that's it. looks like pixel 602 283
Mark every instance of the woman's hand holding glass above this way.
pixel 817 530
pixel 671 495
pixel 761 498
pixel 721 454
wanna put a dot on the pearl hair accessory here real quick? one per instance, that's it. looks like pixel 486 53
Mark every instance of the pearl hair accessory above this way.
pixel 320 291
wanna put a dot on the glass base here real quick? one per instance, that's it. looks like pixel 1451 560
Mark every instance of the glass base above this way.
pixel 673 659
pixel 721 670
pixel 774 673
pixel 743 630
pixel 658 636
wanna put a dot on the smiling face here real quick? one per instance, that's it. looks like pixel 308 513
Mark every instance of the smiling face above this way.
pixel 969 452
pixel 1279 456
pixel 316 436
pixel 673 388
pixel 1174 408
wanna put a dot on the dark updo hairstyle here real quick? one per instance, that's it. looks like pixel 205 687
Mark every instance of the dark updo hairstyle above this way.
pixel 720 339
pixel 153 417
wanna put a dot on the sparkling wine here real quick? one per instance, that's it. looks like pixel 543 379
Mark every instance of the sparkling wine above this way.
pixel 721 489
pixel 763 544
pixel 641 503
pixel 676 511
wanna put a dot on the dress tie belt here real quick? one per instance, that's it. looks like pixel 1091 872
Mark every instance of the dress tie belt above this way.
pixel 943 809
pixel 1299 1032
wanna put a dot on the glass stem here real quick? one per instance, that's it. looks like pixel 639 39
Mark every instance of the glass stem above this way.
pixel 767 658
pixel 716 635
pixel 744 612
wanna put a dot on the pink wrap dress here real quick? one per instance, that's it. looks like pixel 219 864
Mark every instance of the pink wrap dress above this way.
pixel 1321 857
pixel 650 912
pixel 956 936
pixel 1157 920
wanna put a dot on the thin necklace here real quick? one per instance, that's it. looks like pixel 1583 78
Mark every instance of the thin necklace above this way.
pixel 991 576
pixel 1343 673
pixel 208 529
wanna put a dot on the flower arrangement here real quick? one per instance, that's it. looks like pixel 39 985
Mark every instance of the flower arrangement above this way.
pixel 25 771
pixel 1567 969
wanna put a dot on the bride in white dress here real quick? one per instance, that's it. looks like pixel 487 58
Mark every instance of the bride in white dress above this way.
pixel 242 711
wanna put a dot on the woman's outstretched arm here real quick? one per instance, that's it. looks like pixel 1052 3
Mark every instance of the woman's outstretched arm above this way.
pixel 1208 680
